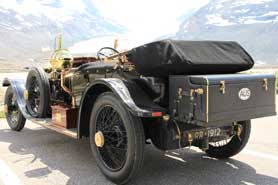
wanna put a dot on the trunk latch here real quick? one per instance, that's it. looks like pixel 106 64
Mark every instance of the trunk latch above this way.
pixel 265 84
pixel 222 87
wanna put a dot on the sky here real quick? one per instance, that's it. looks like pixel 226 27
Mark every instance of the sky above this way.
pixel 146 20
pixel 151 18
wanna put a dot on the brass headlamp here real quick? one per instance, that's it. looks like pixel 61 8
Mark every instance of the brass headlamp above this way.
pixel 62 58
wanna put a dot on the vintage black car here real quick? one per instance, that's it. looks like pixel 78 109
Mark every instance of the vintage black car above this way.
pixel 171 93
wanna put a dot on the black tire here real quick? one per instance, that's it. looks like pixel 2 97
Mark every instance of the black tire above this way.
pixel 14 117
pixel 234 146
pixel 37 85
pixel 134 143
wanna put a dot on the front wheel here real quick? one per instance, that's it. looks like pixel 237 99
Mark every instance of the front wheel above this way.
pixel 117 139
pixel 13 115
pixel 232 146
pixel 37 86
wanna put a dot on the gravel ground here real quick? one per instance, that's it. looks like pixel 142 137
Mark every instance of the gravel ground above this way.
pixel 40 156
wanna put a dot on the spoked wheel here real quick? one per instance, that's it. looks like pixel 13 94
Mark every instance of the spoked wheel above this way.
pixel 38 98
pixel 117 139
pixel 231 146
pixel 110 128
pixel 34 95
pixel 14 117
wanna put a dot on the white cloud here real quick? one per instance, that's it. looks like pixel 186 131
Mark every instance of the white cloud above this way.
pixel 125 41
pixel 148 19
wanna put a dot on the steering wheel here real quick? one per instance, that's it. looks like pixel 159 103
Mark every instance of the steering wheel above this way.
pixel 99 53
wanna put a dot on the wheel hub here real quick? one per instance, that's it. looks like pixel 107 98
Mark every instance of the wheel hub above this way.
pixel 111 138
pixel 118 135
pixel 99 139
pixel 26 94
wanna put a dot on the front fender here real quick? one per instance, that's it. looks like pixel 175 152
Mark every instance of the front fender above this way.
pixel 18 86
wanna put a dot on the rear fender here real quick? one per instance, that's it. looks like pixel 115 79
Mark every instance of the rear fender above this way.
pixel 119 88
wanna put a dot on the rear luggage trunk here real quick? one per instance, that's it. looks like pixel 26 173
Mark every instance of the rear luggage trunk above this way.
pixel 213 100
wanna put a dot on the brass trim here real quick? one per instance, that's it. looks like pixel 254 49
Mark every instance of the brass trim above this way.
pixel 116 43
pixel 117 55
pixel 180 93
pixel 189 138
pixel 199 91
pixel 166 117
pixel 207 100
pixel 58 117
pixel 265 84
pixel 99 139
pixel 222 87
pixel 60 40
pixel 25 94
pixel 66 89
pixel 47 123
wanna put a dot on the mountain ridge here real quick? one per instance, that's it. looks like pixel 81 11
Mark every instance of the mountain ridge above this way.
pixel 254 24
pixel 28 31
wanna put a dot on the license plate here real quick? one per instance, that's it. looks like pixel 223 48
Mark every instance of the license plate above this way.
pixel 210 132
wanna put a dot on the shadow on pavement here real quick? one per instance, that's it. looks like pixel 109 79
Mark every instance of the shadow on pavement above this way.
pixel 73 158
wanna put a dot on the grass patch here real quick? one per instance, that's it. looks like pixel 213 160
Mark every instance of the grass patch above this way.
pixel 273 70
pixel 2 114
pixel 276 81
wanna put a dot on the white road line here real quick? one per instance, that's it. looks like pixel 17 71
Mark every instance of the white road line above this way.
pixel 261 155
pixel 7 176
pixel 174 157
pixel 175 153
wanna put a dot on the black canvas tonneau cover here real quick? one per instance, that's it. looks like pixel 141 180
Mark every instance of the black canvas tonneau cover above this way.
pixel 176 57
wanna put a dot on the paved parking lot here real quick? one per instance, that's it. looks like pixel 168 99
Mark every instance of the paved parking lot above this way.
pixel 40 156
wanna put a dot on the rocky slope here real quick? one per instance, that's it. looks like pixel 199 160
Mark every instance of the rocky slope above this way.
pixel 253 23
pixel 28 28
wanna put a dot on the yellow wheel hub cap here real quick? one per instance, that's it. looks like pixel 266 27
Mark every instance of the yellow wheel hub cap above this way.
pixel 99 139
pixel 26 94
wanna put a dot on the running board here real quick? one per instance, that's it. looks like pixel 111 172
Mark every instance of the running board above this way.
pixel 47 123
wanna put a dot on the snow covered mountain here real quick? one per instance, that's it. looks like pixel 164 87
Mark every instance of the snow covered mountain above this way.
pixel 28 27
pixel 253 23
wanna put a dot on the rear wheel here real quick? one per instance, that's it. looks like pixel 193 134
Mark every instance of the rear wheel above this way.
pixel 38 100
pixel 117 139
pixel 13 115
pixel 232 146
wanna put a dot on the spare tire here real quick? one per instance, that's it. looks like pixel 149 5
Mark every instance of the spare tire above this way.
pixel 38 100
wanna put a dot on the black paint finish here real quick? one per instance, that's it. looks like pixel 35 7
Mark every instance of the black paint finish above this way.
pixel 215 108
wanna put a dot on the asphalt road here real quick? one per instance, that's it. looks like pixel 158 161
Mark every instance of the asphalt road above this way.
pixel 40 156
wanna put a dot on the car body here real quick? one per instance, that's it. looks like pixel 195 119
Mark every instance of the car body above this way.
pixel 139 102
